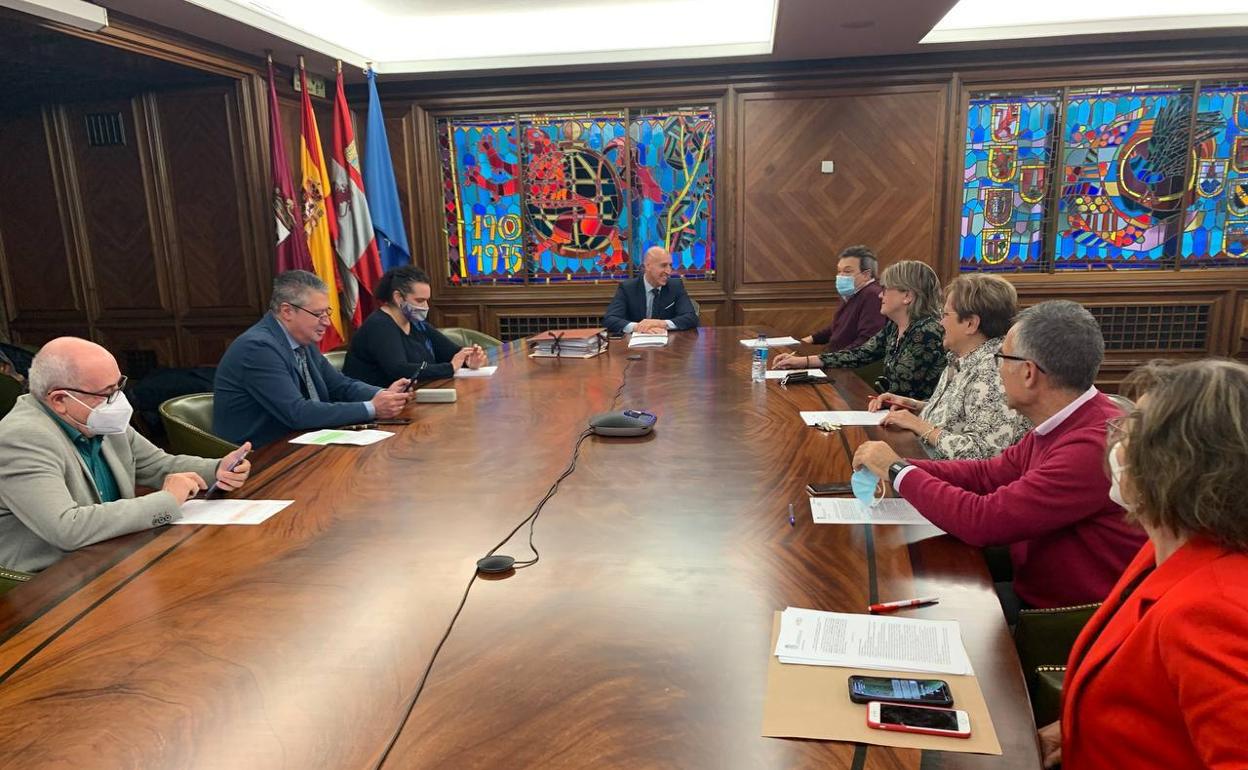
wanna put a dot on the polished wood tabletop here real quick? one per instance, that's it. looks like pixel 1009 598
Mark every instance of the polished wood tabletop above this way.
pixel 640 638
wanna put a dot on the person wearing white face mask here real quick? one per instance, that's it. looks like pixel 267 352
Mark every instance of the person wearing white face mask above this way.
pixel 397 340
pixel 1159 675
pixel 69 462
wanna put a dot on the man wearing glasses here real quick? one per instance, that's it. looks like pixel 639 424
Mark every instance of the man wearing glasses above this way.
pixel 1046 497
pixel 69 462
pixel 273 380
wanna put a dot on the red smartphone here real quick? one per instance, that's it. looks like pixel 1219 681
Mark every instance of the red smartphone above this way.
pixel 952 723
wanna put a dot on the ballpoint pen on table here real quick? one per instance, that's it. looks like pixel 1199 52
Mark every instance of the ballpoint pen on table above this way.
pixel 901 605
pixel 792 520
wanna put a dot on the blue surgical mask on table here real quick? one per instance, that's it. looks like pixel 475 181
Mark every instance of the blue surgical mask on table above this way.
pixel 416 315
pixel 845 286
pixel 865 485
pixel 106 419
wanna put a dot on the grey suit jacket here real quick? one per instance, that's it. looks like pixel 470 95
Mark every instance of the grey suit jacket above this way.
pixel 49 504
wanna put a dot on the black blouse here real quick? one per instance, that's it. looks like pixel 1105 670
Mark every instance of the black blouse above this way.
pixel 381 353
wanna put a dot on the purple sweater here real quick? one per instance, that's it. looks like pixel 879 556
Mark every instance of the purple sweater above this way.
pixel 856 322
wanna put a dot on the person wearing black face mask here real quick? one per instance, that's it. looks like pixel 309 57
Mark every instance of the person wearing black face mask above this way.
pixel 396 340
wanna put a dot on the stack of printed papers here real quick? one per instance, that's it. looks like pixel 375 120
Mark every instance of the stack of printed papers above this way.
pixel 770 342
pixel 847 510
pixel 353 437
pixel 814 638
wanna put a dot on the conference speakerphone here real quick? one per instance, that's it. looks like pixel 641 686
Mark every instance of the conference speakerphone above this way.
pixel 630 422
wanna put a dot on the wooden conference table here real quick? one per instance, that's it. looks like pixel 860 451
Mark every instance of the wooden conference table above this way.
pixel 640 639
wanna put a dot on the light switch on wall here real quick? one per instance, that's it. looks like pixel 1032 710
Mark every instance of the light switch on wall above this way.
pixel 827 166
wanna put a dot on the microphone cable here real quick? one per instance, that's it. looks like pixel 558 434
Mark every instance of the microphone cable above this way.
pixel 531 520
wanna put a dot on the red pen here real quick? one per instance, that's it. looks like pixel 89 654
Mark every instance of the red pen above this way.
pixel 882 607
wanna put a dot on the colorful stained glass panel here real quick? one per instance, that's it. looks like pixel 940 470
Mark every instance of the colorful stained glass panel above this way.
pixel 1123 177
pixel 1005 181
pixel 1216 230
pixel 556 197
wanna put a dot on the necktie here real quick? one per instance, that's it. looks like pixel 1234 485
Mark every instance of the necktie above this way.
pixel 654 297
pixel 301 359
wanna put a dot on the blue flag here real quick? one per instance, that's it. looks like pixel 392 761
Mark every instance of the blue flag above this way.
pixel 380 188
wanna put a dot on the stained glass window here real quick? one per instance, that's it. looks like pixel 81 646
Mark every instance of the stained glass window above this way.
pixel 1005 180
pixel 1124 162
pixel 550 198
pixel 1216 230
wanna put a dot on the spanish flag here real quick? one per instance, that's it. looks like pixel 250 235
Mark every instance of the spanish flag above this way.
pixel 321 229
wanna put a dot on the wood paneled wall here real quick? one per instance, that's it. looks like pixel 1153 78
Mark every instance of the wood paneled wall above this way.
pixel 894 129
pixel 164 245
pixel 153 246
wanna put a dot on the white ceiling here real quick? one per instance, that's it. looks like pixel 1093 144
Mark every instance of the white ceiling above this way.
pixel 432 39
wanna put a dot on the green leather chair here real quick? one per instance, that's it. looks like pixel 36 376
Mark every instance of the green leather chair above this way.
pixel 465 337
pixel 1046 701
pixel 1044 639
pixel 10 389
pixel 188 424
pixel 336 358
pixel 11 578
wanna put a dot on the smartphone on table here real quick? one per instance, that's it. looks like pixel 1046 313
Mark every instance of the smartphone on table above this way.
pixel 951 723
pixel 836 488
pixel 922 692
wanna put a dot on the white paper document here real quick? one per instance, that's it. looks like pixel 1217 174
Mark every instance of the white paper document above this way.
pixel 780 374
pixel 847 510
pixel 772 342
pixel 647 340
pixel 352 437
pixel 814 638
pixel 844 418
pixel 229 511
pixel 485 371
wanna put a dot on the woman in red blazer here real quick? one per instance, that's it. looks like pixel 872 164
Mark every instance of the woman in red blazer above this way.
pixel 1159 677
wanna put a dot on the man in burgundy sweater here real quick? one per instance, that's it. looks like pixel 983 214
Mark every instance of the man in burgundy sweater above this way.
pixel 1046 497
pixel 860 318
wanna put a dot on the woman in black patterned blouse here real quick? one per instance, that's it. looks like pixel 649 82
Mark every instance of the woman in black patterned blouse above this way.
pixel 910 342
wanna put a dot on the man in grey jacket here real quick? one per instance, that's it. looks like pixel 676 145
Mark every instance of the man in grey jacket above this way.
pixel 69 462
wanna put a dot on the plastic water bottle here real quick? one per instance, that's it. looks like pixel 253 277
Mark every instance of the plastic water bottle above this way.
pixel 758 370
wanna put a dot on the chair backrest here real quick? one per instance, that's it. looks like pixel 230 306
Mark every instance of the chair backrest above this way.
pixel 697 308
pixel 188 424
pixel 10 389
pixel 336 358
pixel 465 337
pixel 11 578
pixel 1122 402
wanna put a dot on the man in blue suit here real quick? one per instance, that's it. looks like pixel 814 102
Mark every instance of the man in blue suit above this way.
pixel 653 302
pixel 273 380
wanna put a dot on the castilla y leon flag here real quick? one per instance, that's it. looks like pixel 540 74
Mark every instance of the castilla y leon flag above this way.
pixel 356 244
pixel 321 229
pixel 292 253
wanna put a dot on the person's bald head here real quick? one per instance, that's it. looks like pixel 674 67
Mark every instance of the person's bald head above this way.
pixel 657 263
pixel 72 363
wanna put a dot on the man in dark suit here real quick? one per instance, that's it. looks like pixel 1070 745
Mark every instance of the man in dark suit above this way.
pixel 653 302
pixel 273 380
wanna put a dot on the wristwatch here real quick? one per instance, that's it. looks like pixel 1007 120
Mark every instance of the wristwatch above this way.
pixel 894 469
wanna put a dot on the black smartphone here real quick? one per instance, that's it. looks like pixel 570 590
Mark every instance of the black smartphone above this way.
pixel 837 488
pixel 394 421
pixel 926 692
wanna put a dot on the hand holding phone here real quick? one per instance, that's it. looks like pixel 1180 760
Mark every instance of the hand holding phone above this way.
pixel 951 723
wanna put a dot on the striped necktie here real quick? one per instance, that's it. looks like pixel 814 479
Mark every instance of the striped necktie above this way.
pixel 301 358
